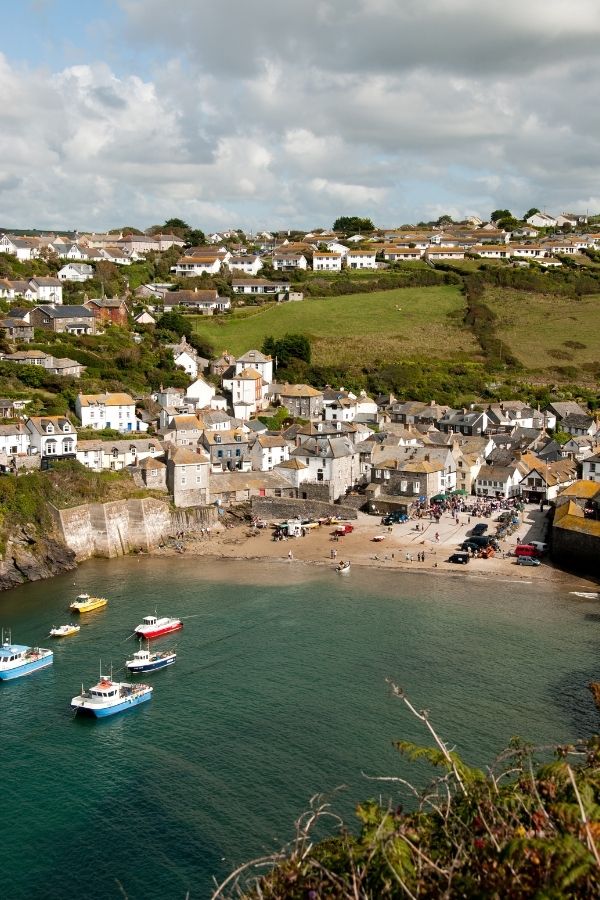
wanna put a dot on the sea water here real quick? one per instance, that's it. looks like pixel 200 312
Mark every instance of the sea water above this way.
pixel 278 693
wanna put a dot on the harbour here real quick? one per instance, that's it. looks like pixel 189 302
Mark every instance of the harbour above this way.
pixel 278 693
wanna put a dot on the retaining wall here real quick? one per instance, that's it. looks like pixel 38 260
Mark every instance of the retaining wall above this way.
pixel 288 508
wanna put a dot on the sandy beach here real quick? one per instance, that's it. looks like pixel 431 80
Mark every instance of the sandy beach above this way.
pixel 400 548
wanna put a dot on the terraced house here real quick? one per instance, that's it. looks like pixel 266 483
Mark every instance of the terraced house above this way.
pixel 116 411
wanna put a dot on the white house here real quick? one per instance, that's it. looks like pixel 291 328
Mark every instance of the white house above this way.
pixel 283 261
pixel 361 259
pixel 268 451
pixel 75 272
pixel 327 262
pixel 542 220
pixel 590 468
pixel 108 410
pixel 200 393
pixel 116 455
pixel 22 248
pixel 250 265
pixel 52 436
pixel 336 247
pixel 248 393
pixel 14 439
pixel 192 266
pixel 254 359
pixel 47 290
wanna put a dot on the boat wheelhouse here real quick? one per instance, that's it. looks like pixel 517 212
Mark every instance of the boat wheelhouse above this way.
pixel 153 627
pixel 17 660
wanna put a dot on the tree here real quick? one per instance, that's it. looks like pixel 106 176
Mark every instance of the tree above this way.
pixel 288 348
pixel 353 224
pixel 508 223
pixel 445 220
pixel 175 323
pixel 531 212
pixel 500 214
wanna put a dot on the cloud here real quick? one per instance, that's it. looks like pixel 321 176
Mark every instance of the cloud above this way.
pixel 273 115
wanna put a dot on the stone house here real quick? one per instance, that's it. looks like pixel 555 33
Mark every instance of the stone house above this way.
pixel 69 319
pixel 228 450
pixel 333 464
pixel 105 310
pixel 188 474
pixel 153 473
pixel 301 400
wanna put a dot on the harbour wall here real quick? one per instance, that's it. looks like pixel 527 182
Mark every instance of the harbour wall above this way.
pixel 289 508
pixel 126 526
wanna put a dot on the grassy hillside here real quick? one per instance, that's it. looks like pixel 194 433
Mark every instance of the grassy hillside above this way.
pixel 366 328
pixel 548 331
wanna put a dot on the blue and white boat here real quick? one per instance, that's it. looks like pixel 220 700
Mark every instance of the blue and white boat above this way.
pixel 17 660
pixel 145 661
pixel 108 697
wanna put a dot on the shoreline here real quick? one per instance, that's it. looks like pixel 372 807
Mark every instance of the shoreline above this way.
pixel 245 543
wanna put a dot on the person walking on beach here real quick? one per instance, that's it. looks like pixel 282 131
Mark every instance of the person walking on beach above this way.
pixel 437 537
pixel 290 554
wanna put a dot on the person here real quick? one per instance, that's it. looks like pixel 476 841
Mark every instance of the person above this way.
pixel 437 537
pixel 290 554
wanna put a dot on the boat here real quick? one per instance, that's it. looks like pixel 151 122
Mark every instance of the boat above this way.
pixel 145 661
pixel 153 627
pixel 58 631
pixel 17 660
pixel 84 603
pixel 342 567
pixel 108 697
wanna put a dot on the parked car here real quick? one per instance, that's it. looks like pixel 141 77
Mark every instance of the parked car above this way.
pixel 469 546
pixel 479 529
pixel 460 558
pixel 527 561
pixel 394 518
pixel 527 550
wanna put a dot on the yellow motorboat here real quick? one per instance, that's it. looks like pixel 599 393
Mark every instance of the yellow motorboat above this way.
pixel 85 603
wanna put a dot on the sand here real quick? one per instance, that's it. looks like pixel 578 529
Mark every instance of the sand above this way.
pixel 398 550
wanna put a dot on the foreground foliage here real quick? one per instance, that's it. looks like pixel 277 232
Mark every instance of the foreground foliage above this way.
pixel 520 829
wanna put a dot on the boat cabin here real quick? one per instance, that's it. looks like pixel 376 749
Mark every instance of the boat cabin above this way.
pixel 149 620
pixel 104 689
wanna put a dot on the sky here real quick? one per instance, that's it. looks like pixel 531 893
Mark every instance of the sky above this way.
pixel 272 115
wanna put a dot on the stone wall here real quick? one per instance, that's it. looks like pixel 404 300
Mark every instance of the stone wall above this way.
pixel 281 508
pixel 123 526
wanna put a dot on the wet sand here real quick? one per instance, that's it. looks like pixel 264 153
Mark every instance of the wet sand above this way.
pixel 397 551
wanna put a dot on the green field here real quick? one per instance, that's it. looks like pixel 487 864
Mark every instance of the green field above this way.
pixel 359 328
pixel 545 331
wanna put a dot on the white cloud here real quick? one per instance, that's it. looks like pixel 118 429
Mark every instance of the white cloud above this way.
pixel 277 114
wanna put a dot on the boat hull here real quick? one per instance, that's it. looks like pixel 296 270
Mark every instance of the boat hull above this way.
pixel 26 669
pixel 92 607
pixel 158 632
pixel 104 712
pixel 151 666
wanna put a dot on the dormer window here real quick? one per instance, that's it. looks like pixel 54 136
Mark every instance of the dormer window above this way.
pixel 49 428
pixel 217 438
pixel 238 438
pixel 66 427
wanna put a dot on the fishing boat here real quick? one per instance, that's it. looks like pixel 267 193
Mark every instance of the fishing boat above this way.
pixel 153 627
pixel 108 697
pixel 84 603
pixel 145 661
pixel 17 660
pixel 343 567
pixel 58 631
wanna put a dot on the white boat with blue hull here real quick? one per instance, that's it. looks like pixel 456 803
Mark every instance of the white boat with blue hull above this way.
pixel 17 660
pixel 108 697
pixel 147 661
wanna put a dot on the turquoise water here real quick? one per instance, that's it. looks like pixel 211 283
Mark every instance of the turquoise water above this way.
pixel 278 693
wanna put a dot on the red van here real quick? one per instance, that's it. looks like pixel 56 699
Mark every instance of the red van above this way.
pixel 527 550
